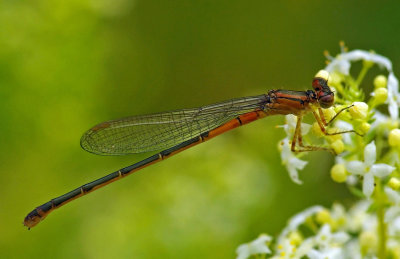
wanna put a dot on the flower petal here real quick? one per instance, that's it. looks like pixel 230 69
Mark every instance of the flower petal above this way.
pixel 393 96
pixel 381 170
pixel 355 167
pixel 257 246
pixel 368 184
pixel 340 237
pixel 294 175
pixel 393 195
pixel 305 128
pixel 391 213
pixel 370 154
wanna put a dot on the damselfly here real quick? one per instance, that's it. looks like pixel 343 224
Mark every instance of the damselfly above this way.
pixel 178 130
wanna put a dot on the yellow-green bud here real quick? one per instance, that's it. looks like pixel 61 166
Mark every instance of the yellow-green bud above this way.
pixel 394 138
pixel 380 95
pixel 333 138
pixel 338 173
pixel 329 113
pixel 368 242
pixel 334 79
pixel 364 127
pixel 338 146
pixel 323 217
pixel 316 129
pixel 395 252
pixel 359 110
pixel 323 74
pixel 295 238
pixel 368 63
pixel 380 82
pixel 338 108
pixel 394 183
pixel 343 115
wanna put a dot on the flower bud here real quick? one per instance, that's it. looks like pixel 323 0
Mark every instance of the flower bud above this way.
pixel 380 82
pixel 316 129
pixel 333 138
pixel 364 127
pixel 295 238
pixel 394 183
pixel 323 217
pixel 380 95
pixel 323 74
pixel 338 146
pixel 368 242
pixel 394 138
pixel 338 173
pixel 359 110
pixel 334 79
pixel 329 113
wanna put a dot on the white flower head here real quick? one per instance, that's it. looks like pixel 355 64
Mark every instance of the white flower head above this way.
pixel 328 244
pixel 297 220
pixel 342 63
pixel 368 169
pixel 255 247
pixel 326 239
pixel 291 161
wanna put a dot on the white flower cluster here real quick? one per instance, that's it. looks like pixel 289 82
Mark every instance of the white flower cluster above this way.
pixel 319 233
pixel 368 162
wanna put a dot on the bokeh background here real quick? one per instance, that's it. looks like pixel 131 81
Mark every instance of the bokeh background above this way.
pixel 68 65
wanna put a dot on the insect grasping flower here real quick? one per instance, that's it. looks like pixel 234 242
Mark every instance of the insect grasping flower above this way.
pixel 368 169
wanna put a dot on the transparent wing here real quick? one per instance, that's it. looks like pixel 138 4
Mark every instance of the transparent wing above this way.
pixel 157 131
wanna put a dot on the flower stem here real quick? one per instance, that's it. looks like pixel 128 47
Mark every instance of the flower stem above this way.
pixel 366 66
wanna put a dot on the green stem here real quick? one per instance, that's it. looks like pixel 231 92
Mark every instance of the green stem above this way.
pixel 382 226
pixel 362 74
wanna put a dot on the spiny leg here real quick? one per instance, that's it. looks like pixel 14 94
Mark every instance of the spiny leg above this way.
pixel 336 115
pixel 322 122
pixel 299 137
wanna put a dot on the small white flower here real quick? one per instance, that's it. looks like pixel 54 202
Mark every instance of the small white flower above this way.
pixel 297 220
pixel 255 247
pixel 352 249
pixel 326 239
pixel 328 244
pixel 286 249
pixel 342 64
pixel 290 126
pixel 291 162
pixel 358 219
pixel 394 210
pixel 342 61
pixel 394 227
pixel 368 169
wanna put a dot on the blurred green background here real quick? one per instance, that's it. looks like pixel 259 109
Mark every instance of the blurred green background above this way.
pixel 68 65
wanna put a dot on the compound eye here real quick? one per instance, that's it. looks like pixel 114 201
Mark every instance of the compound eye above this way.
pixel 320 80
pixel 316 84
pixel 327 100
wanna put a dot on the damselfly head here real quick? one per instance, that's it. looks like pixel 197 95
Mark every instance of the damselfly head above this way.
pixel 323 92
